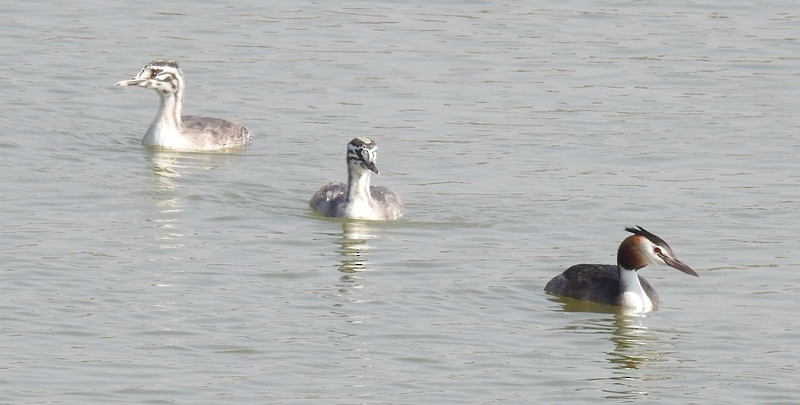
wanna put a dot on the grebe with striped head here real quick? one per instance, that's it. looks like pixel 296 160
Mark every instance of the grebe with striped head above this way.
pixel 620 285
pixel 169 129
pixel 358 199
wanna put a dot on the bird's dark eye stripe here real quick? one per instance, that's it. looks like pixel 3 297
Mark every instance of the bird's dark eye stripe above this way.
pixel 358 154
pixel 165 76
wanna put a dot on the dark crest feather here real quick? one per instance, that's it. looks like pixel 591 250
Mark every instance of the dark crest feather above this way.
pixel 638 230
pixel 164 63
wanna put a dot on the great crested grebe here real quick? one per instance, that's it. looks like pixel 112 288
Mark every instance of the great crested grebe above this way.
pixel 169 129
pixel 619 285
pixel 357 199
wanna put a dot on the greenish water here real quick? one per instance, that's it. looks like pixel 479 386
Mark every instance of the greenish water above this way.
pixel 522 140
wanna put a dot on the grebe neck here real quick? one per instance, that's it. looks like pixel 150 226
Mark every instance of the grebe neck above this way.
pixel 168 120
pixel 631 294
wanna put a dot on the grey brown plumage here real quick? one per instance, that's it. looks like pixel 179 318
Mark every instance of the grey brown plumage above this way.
pixel 172 130
pixel 593 282
pixel 357 199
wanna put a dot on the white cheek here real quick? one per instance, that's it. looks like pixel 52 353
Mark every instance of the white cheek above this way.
pixel 650 255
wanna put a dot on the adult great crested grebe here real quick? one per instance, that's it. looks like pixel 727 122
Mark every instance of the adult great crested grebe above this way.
pixel 620 285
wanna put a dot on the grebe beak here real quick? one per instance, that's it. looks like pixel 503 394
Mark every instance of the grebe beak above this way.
pixel 677 264
pixel 130 82
pixel 371 166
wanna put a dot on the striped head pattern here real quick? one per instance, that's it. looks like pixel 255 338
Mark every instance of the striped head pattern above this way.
pixel 363 152
pixel 163 76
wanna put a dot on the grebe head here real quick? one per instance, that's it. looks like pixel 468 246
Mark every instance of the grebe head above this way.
pixel 643 248
pixel 362 154
pixel 163 76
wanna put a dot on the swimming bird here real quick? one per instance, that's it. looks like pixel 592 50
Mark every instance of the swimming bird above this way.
pixel 620 285
pixel 357 199
pixel 169 129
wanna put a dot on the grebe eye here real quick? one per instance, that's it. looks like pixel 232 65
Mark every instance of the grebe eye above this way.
pixel 657 250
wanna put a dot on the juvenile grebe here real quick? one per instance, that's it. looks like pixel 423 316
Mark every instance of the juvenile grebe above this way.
pixel 170 130
pixel 619 285
pixel 357 199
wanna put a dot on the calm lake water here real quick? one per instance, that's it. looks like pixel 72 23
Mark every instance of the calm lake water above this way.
pixel 522 137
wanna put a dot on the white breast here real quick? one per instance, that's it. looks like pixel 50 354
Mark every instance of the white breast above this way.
pixel 632 300
pixel 361 209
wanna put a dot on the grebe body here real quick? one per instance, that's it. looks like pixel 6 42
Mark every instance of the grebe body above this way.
pixel 358 199
pixel 620 285
pixel 169 129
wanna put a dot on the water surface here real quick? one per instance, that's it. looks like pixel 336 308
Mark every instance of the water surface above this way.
pixel 522 140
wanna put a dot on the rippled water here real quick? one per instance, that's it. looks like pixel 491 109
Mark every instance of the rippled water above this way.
pixel 522 139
